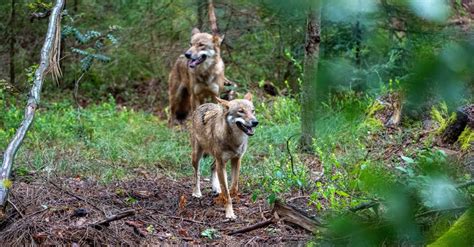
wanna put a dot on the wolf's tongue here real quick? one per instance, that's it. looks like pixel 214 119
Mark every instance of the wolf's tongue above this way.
pixel 250 130
pixel 192 63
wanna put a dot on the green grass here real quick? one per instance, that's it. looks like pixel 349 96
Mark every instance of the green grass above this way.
pixel 107 143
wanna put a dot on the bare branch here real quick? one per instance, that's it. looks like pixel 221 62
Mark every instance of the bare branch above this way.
pixel 50 43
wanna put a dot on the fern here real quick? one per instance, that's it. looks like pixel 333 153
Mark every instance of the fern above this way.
pixel 94 52
pixel 466 139
pixel 441 115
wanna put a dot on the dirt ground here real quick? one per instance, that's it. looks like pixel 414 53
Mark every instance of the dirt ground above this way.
pixel 158 210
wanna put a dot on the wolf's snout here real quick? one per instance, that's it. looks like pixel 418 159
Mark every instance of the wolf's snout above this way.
pixel 254 123
pixel 188 54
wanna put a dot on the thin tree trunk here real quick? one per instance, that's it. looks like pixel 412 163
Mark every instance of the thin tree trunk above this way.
pixel 75 6
pixel 48 63
pixel 12 42
pixel 308 90
pixel 212 18
pixel 201 13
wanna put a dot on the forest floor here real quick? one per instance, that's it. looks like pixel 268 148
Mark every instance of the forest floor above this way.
pixel 156 210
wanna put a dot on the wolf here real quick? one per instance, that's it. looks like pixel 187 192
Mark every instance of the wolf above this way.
pixel 197 75
pixel 222 130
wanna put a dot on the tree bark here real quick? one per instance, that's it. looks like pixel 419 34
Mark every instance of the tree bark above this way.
pixel 49 50
pixel 308 88
pixel 12 42
pixel 212 18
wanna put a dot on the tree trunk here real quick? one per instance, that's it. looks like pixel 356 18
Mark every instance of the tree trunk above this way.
pixel 75 6
pixel 212 19
pixel 201 13
pixel 48 63
pixel 12 42
pixel 308 88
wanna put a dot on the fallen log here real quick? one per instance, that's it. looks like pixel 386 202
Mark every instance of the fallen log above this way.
pixel 295 216
pixel 464 117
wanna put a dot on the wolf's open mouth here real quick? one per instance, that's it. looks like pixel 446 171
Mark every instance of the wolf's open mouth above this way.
pixel 248 130
pixel 192 63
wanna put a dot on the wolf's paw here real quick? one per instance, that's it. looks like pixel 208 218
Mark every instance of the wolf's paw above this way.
pixel 234 193
pixel 197 194
pixel 231 216
pixel 216 190
pixel 229 213
pixel 216 187
pixel 220 200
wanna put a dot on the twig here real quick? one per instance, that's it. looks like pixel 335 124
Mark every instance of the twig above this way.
pixel 253 227
pixel 39 15
pixel 296 198
pixel 77 197
pixel 181 218
pixel 76 89
pixel 16 208
pixel 107 220
pixel 439 211
pixel 289 152
pixel 184 219
pixel 364 206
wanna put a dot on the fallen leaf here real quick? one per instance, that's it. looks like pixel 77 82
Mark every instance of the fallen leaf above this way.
pixel 183 232
pixel 138 227
pixel 142 194
pixel 40 237
pixel 182 202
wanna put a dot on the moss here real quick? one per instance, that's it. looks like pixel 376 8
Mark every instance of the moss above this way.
pixel 460 234
pixel 466 139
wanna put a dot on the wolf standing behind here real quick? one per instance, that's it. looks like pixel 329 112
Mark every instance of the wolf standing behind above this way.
pixel 196 75
pixel 222 130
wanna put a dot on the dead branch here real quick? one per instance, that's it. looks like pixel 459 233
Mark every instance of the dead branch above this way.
pixel 364 206
pixel 465 185
pixel 253 227
pixel 439 211
pixel 50 43
pixel 295 216
pixel 39 15
pixel 107 220
pixel 212 18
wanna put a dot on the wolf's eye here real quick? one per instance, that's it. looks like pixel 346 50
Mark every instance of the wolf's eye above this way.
pixel 241 111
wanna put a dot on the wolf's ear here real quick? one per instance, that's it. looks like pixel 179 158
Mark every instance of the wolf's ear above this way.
pixel 248 96
pixel 223 102
pixel 217 39
pixel 195 31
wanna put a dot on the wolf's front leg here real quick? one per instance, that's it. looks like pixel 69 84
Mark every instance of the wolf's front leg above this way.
pixel 235 169
pixel 216 187
pixel 196 157
pixel 224 196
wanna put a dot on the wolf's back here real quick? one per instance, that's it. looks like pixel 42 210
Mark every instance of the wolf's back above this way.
pixel 206 115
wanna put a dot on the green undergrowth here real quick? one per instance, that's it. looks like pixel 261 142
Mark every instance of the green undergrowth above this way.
pixel 100 141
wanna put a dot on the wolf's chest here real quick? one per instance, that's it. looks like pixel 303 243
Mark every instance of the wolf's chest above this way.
pixel 206 83
pixel 234 152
